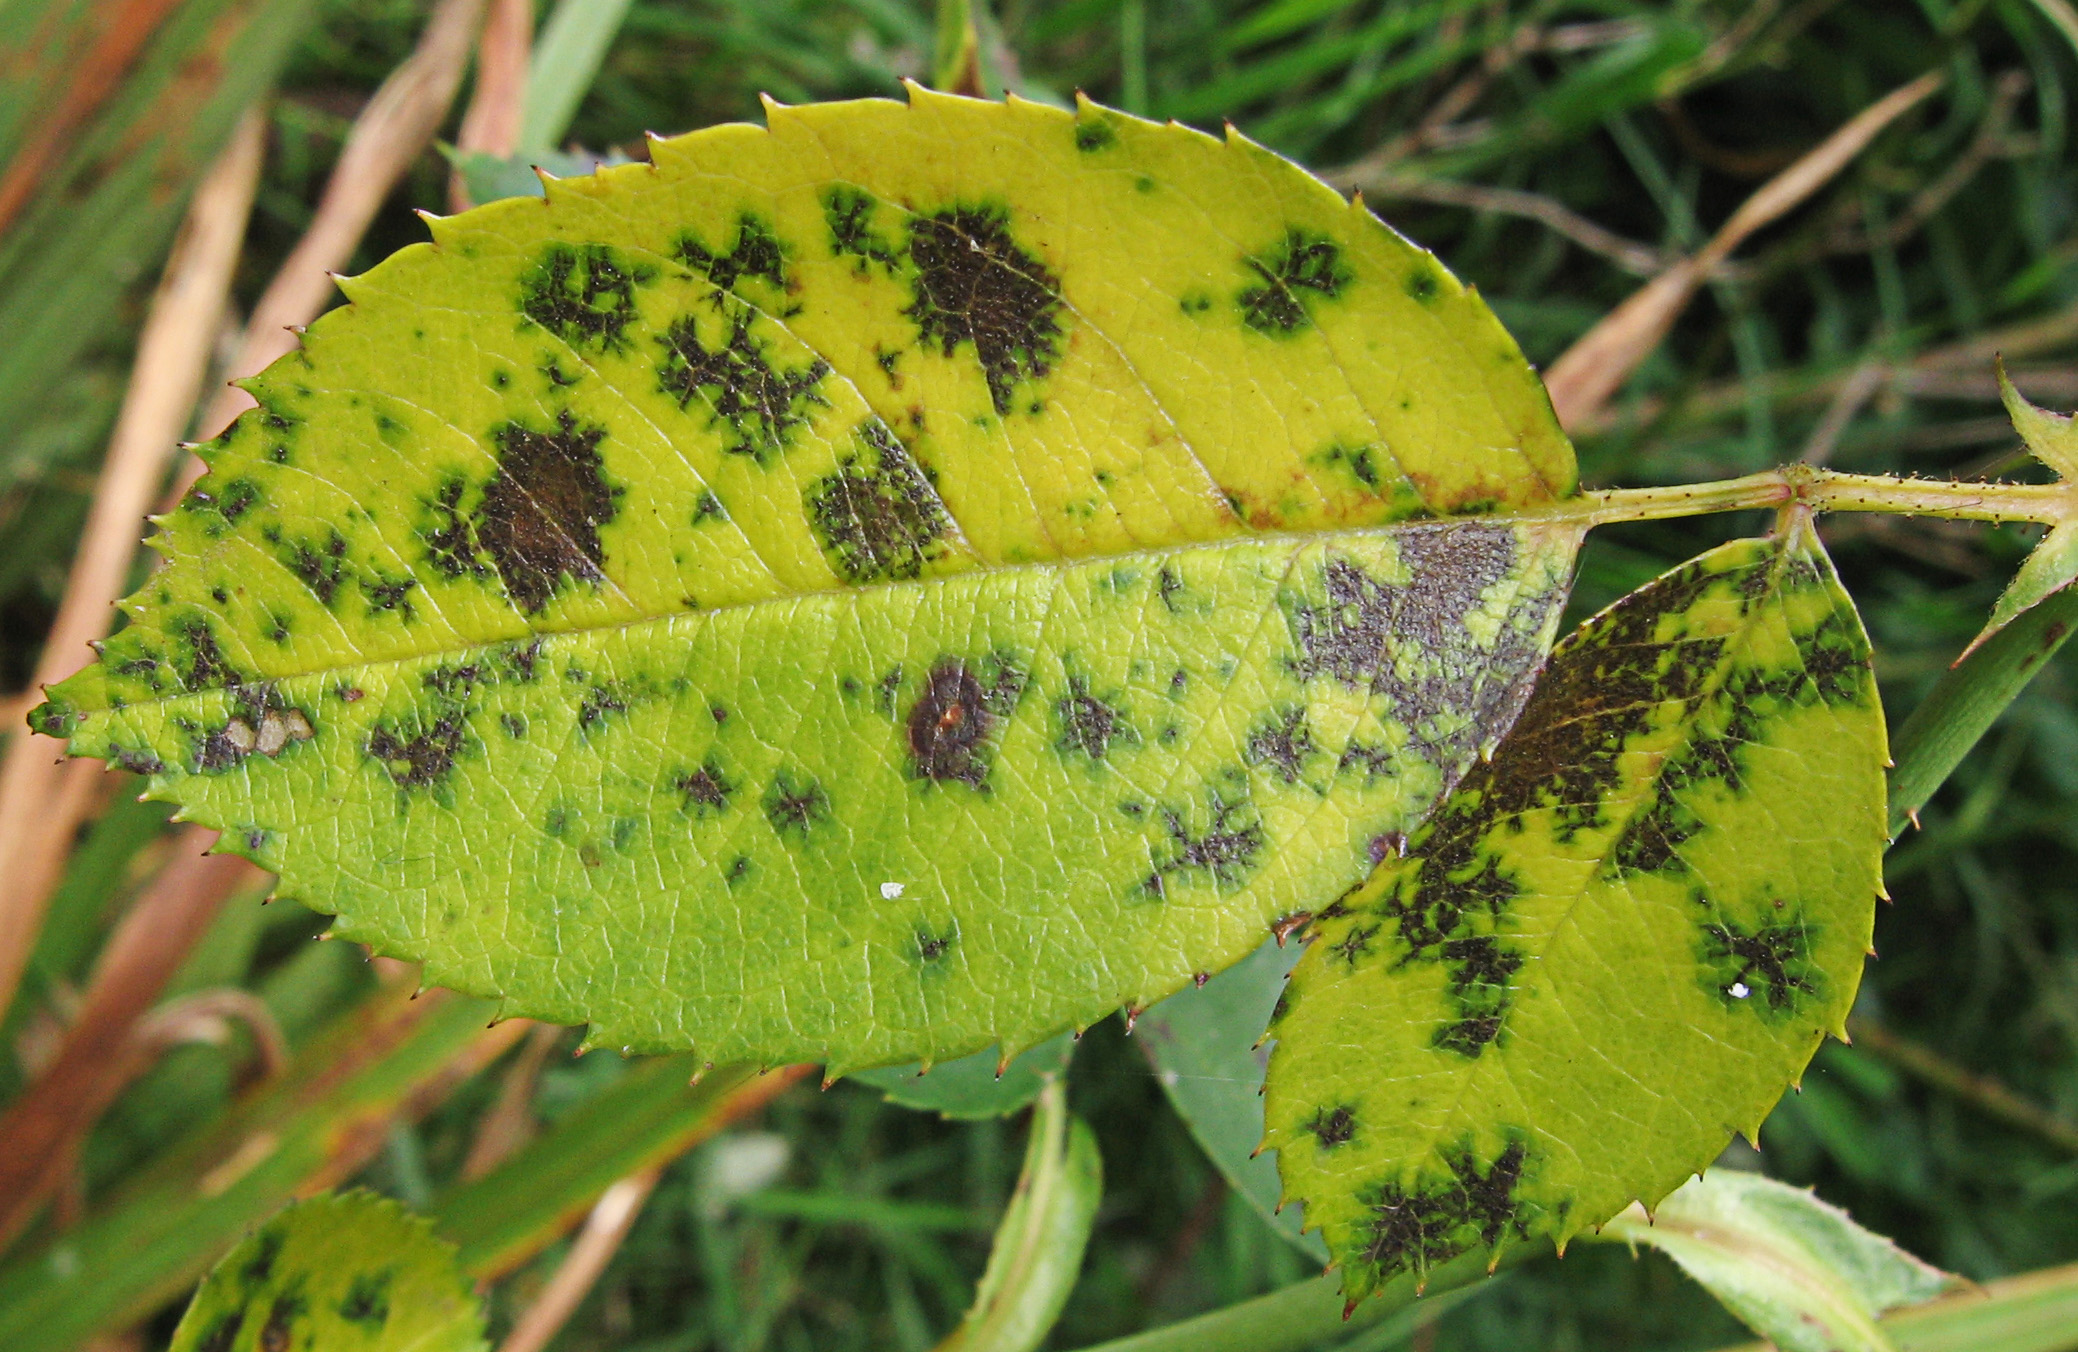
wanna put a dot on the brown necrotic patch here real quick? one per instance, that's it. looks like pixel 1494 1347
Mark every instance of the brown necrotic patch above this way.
pixel 1291 277
pixel 759 407
pixel 418 753
pixel 198 658
pixel 1413 1228
pixel 583 294
pixel 1333 1127
pixel 949 726
pixel 278 1333
pixel 878 516
pixel 318 564
pixel 975 286
pixel 540 514
pixel 757 252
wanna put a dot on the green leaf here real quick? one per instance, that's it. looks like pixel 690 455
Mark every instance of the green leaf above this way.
pixel 1615 943
pixel 1037 1254
pixel 913 578
pixel 1798 1271
pixel 2053 564
pixel 977 1086
pixel 347 1273
pixel 1206 1046
pixel 491 178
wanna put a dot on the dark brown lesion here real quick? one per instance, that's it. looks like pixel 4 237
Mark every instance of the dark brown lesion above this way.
pixel 949 726
pixel 540 514
pixel 417 755
pixel 976 286
pixel 584 295
pixel 848 212
pixel 761 406
pixel 318 564
pixel 367 1300
pixel 1768 968
pixel 705 790
pixel 1333 1127
pixel 1291 277
pixel 1226 851
pixel 878 515
pixel 198 658
pixel 446 531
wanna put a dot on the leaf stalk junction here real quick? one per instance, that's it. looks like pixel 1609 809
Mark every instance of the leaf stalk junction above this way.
pixel 1826 490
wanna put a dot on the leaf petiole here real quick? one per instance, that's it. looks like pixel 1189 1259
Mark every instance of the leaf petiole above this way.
pixel 1826 490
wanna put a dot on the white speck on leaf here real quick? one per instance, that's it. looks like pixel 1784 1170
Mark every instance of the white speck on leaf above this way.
pixel 889 891
pixel 1738 990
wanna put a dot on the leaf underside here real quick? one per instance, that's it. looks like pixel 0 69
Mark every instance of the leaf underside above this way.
pixel 905 579
pixel 1613 946
pixel 346 1273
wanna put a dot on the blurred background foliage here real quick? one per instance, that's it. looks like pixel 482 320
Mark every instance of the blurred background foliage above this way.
pixel 1554 153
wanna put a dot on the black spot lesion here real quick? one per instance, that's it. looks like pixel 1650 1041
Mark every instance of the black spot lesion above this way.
pixel 1768 968
pixel 708 508
pixel 933 944
pixel 1292 276
pixel 1087 725
pixel 760 407
pixel 1481 969
pixel 1226 851
pixel 1094 132
pixel 602 702
pixel 367 1299
pixel 222 1332
pixel 950 724
pixel 419 751
pixel 1448 909
pixel 705 791
pixel 540 514
pixel 584 294
pixel 1282 745
pixel 447 533
pixel 848 212
pixel 318 564
pixel 795 804
pixel 976 286
pixel 1361 462
pixel 198 658
pixel 878 515
pixel 757 252
pixel 278 1333
pixel 1411 1228
pixel 1333 1127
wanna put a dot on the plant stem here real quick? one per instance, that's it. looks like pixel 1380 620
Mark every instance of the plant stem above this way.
pixel 1825 490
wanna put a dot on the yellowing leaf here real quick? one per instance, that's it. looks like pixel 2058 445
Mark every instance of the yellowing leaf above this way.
pixel 347 1273
pixel 900 580
pixel 1613 946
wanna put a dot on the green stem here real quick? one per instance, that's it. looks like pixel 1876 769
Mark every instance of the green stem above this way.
pixel 1825 490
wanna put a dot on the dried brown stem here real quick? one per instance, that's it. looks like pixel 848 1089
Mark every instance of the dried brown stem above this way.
pixel 611 1218
pixel 42 801
pixel 51 1117
pixel 492 123
pixel 1981 1092
pixel 391 132
pixel 510 1122
pixel 1582 380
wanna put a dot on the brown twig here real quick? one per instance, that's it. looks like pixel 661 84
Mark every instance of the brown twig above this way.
pixel 1582 380
pixel 55 1112
pixel 206 1017
pixel 1981 1092
pixel 391 132
pixel 604 1229
pixel 1641 260
pixel 41 802
pixel 491 125
pixel 510 1122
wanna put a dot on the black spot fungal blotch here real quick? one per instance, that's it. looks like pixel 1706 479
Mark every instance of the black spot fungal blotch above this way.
pixel 259 1269
pixel 599 703
pixel 949 724
pixel 1094 133
pixel 931 947
pixel 1480 969
pixel 540 514
pixel 200 661
pixel 1226 851
pixel 761 406
pixel 450 542
pixel 756 253
pixel 848 212
pixel 1282 744
pixel 795 806
pixel 706 790
pixel 708 508
pixel 1088 726
pixel 974 285
pixel 583 294
pixel 368 1299
pixel 318 565
pixel 878 516
pixel 1333 1127
pixel 1768 968
pixel 1412 1229
pixel 417 756
pixel 222 1332
pixel 1292 276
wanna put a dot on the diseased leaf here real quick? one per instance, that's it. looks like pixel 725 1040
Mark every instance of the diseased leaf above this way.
pixel 1801 1273
pixel 1614 945
pixel 904 580
pixel 346 1273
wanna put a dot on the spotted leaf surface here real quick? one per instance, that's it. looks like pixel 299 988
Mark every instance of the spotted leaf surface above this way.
pixel 1613 946
pixel 347 1273
pixel 903 579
